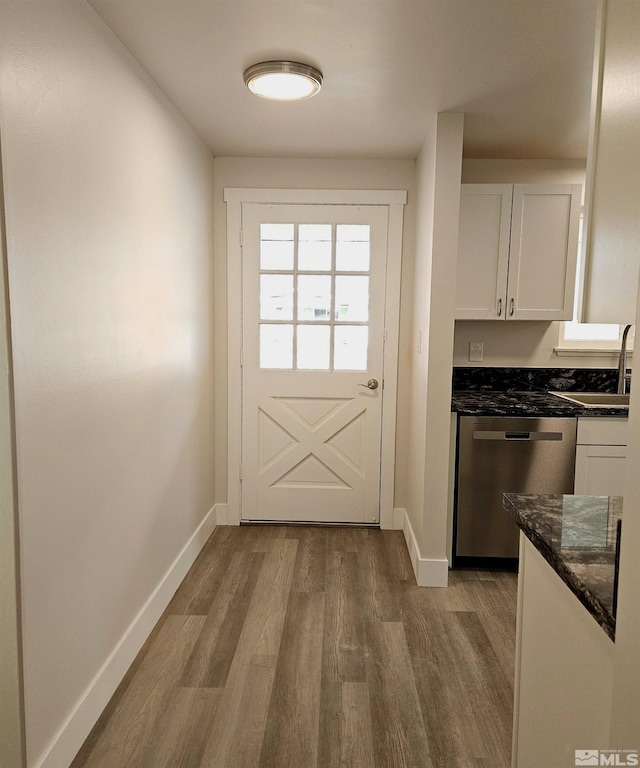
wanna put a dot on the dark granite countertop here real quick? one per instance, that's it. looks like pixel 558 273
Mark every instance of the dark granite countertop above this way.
pixel 576 535
pixel 491 391
pixel 492 403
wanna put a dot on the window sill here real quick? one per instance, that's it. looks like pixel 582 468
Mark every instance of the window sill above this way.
pixel 590 352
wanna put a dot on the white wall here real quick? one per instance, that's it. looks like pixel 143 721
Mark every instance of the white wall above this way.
pixel 520 343
pixel 623 36
pixel 425 201
pixel 625 710
pixel 11 736
pixel 561 171
pixel 311 174
pixel 109 201
pixel 438 203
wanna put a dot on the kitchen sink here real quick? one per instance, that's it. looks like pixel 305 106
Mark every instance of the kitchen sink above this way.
pixel 595 399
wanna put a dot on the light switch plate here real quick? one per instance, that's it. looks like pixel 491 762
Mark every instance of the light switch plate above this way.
pixel 475 351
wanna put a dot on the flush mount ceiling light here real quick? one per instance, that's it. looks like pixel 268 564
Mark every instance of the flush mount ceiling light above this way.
pixel 283 80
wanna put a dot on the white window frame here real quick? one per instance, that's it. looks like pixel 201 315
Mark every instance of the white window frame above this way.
pixel 395 200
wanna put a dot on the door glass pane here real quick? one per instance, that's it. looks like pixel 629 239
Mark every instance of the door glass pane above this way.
pixel 350 351
pixel 352 247
pixel 276 346
pixel 314 297
pixel 276 297
pixel 352 298
pixel 314 247
pixel 276 246
pixel 313 347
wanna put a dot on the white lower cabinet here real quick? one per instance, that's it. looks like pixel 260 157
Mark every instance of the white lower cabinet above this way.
pixel 564 670
pixel 600 456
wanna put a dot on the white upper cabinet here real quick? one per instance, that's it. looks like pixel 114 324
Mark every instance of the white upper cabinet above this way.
pixel 612 216
pixel 483 250
pixel 544 251
pixel 517 251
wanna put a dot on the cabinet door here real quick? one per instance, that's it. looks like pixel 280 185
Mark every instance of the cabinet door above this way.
pixel 544 250
pixel 483 251
pixel 600 470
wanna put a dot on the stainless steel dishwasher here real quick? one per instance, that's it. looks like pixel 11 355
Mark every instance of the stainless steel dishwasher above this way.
pixel 499 455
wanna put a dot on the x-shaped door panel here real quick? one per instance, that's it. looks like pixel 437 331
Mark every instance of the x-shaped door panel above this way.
pixel 324 454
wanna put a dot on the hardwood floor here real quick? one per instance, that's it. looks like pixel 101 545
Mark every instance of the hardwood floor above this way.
pixel 303 647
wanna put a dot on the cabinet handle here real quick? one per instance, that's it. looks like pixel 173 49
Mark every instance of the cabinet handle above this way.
pixel 499 307
pixel 511 307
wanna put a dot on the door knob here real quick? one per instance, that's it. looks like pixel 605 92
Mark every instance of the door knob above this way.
pixel 371 384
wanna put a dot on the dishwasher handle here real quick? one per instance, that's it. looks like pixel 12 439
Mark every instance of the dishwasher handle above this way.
pixel 494 434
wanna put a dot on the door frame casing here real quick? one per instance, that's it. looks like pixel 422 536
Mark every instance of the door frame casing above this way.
pixel 394 200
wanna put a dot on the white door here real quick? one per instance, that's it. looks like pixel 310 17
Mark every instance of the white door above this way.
pixel 313 342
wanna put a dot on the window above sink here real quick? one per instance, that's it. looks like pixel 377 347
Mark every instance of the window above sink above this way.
pixel 577 338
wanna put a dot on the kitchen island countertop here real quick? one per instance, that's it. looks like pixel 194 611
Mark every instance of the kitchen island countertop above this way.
pixel 576 535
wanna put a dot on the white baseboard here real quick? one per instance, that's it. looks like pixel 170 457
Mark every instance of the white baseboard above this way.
pixel 75 730
pixel 429 572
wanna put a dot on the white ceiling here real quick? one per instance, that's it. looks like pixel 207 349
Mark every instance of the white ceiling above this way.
pixel 520 70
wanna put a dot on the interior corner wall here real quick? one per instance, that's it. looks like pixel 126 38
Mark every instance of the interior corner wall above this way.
pixel 109 212
pixel 520 343
pixel 287 173
pixel 11 726
pixel 438 182
pixel 625 706
pixel 625 709
pixel 421 303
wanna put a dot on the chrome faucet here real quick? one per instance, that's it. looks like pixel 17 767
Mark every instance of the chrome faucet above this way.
pixel 623 377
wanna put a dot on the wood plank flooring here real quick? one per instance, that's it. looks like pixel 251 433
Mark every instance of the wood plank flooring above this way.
pixel 309 647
